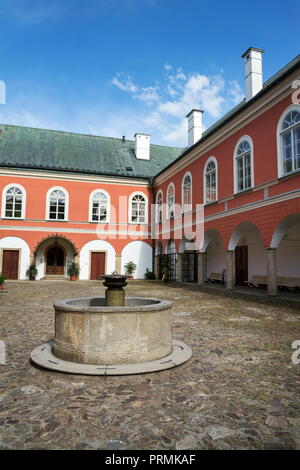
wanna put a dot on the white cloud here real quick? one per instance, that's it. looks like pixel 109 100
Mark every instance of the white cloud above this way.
pixel 170 101
pixel 124 83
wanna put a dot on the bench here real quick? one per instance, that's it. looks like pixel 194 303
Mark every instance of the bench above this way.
pixel 285 282
pixel 257 281
pixel 215 277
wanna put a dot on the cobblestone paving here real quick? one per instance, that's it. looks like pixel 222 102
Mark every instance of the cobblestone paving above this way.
pixel 240 390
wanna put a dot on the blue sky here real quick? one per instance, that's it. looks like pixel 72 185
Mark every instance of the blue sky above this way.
pixel 116 67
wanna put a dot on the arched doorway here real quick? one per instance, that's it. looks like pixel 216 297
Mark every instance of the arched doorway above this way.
pixel 55 261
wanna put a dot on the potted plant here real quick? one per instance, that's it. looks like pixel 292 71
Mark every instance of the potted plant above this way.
pixel 2 280
pixel 149 275
pixel 130 268
pixel 32 272
pixel 73 271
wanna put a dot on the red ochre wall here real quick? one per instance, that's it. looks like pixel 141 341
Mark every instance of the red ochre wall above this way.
pixel 263 132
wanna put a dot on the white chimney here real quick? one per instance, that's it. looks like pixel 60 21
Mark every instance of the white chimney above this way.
pixel 194 126
pixel 142 146
pixel 252 71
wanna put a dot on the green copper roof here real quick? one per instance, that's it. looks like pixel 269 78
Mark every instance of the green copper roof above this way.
pixel 25 147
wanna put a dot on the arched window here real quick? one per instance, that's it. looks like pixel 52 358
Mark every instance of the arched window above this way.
pixel 210 181
pixel 171 200
pixel 243 165
pixel 57 205
pixel 14 204
pixel 159 206
pixel 99 207
pixel 187 193
pixel 138 209
pixel 290 141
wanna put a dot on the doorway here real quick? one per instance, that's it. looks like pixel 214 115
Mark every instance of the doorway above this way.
pixel 97 264
pixel 10 264
pixel 241 265
pixel 55 261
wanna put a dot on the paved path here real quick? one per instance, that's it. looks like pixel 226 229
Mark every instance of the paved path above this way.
pixel 239 391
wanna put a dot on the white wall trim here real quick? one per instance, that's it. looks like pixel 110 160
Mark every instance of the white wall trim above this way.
pixel 157 207
pixel 90 217
pixel 292 107
pixel 188 207
pixel 210 159
pixel 23 212
pixel 57 188
pixel 250 141
pixel 138 193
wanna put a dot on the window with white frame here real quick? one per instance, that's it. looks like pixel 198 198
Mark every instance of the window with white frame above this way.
pixel 13 205
pixel 171 200
pixel 159 206
pixel 290 142
pixel 243 162
pixel 57 205
pixel 187 193
pixel 138 209
pixel 99 207
pixel 210 181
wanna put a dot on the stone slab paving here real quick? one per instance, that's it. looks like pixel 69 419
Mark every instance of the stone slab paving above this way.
pixel 240 390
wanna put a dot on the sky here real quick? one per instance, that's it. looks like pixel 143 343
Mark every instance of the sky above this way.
pixel 117 67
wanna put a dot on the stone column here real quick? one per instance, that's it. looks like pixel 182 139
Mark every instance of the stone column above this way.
pixel 118 264
pixel 201 279
pixel 179 267
pixel 272 271
pixel 156 266
pixel 229 269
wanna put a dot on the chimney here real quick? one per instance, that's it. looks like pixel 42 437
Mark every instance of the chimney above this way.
pixel 252 72
pixel 194 126
pixel 142 146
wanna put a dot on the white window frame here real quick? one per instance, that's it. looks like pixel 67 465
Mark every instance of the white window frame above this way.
pixel 235 159
pixel 215 161
pixel 138 193
pixel 158 210
pixel 168 208
pixel 91 198
pixel 50 191
pixel 280 169
pixel 186 207
pixel 3 209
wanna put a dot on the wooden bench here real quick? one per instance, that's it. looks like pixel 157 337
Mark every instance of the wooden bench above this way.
pixel 215 277
pixel 257 281
pixel 285 282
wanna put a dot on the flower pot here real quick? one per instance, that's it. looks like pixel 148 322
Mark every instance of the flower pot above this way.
pixel 73 278
pixel 1 286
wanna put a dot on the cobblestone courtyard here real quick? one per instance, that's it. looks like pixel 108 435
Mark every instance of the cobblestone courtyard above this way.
pixel 240 390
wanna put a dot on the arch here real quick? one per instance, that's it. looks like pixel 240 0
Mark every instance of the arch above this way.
pixel 158 249
pixel 215 258
pixel 286 224
pixel 241 231
pixel 209 181
pixel 94 209
pixel 241 152
pixel 85 257
pixel 4 193
pixel 42 247
pixel 66 204
pixel 279 133
pixel 209 236
pixel 141 254
pixel 250 253
pixel 138 209
pixel 187 192
pixel 286 239
pixel 16 243
pixel 171 201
